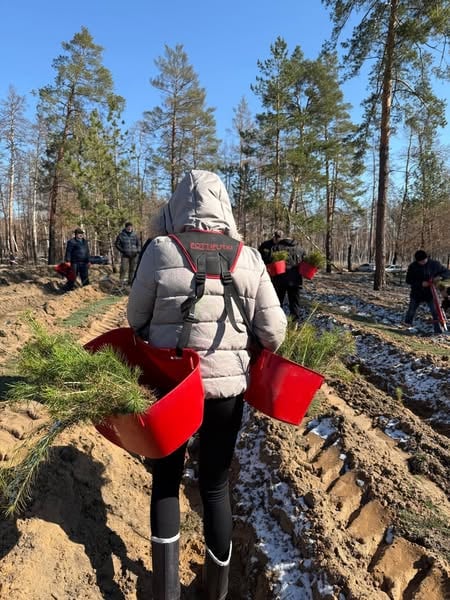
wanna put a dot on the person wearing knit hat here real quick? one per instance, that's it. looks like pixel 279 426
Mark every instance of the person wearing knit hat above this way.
pixel 421 274
pixel 420 256
pixel 290 282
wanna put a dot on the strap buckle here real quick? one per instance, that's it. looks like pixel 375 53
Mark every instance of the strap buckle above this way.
pixel 188 310
pixel 226 277
pixel 200 277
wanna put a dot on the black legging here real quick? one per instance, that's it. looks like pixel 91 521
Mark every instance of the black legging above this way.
pixel 293 293
pixel 218 433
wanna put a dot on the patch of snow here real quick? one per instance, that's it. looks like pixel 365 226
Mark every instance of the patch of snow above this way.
pixel 323 428
pixel 378 313
pixel 345 309
pixel 324 588
pixel 257 492
pixel 417 379
pixel 394 432
pixel 389 536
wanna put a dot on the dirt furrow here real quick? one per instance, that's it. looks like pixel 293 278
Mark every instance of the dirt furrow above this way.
pixel 344 522
pixel 351 505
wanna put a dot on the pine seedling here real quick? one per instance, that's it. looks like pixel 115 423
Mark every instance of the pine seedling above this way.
pixel 318 350
pixel 17 478
pixel 76 386
pixel 280 255
pixel 315 259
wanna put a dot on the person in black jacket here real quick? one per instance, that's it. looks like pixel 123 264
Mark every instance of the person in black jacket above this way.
pixel 420 275
pixel 77 257
pixel 290 282
pixel 127 243
pixel 266 248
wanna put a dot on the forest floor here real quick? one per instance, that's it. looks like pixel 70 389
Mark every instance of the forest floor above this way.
pixel 352 504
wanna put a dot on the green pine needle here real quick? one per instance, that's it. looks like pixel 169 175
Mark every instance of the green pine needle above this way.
pixel 318 350
pixel 18 477
pixel 76 386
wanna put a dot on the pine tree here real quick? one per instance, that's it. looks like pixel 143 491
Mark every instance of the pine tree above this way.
pixel 81 84
pixel 338 147
pixel 13 127
pixel 183 127
pixel 272 88
pixel 100 175
pixel 396 36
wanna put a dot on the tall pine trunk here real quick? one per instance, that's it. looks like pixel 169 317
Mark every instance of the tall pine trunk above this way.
pixel 11 240
pixel 383 179
pixel 54 190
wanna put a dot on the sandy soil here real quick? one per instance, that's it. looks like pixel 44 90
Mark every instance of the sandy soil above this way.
pixel 352 504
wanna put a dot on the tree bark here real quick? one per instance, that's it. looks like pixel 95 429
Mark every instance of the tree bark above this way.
pixel 383 178
pixel 54 190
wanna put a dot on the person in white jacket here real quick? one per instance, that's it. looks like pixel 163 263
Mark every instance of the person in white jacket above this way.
pixel 163 281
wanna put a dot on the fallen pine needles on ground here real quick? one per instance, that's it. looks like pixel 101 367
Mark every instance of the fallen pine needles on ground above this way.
pixel 76 386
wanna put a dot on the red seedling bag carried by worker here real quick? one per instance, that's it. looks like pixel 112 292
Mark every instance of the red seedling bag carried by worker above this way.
pixel 276 268
pixel 66 271
pixel 307 270
pixel 280 388
pixel 176 416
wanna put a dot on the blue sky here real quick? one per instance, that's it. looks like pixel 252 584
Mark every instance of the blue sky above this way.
pixel 223 41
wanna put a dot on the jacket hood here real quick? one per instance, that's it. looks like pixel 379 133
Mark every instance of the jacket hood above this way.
pixel 200 201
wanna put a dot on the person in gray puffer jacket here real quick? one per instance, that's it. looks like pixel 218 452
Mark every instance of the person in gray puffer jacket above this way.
pixel 162 283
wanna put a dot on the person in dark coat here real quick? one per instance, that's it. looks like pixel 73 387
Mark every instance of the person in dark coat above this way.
pixel 128 244
pixel 420 275
pixel 290 282
pixel 266 248
pixel 77 257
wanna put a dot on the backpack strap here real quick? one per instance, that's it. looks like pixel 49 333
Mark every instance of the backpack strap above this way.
pixel 230 293
pixel 210 255
pixel 188 306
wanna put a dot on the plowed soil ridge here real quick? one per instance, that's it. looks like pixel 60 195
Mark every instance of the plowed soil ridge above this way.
pixel 350 505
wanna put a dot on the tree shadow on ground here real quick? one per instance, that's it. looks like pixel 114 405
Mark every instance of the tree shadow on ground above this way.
pixel 193 591
pixel 55 288
pixel 68 492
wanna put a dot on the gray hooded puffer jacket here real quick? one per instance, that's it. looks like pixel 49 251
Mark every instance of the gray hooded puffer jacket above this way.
pixel 164 280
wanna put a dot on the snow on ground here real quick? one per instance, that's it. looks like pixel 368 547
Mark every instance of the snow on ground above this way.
pixel 346 303
pixel 392 430
pixel 258 491
pixel 323 428
pixel 416 380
